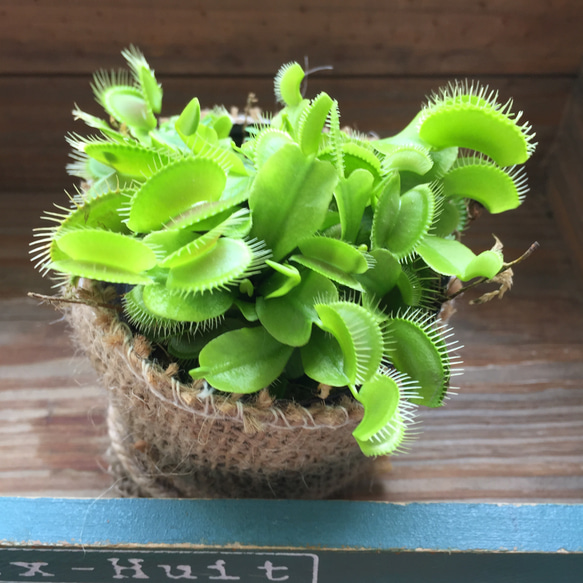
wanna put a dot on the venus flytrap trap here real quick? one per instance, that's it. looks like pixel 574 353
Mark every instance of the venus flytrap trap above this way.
pixel 308 260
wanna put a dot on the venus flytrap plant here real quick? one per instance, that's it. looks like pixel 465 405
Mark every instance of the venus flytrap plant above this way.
pixel 308 257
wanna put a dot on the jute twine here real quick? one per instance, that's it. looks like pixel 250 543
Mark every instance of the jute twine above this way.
pixel 170 439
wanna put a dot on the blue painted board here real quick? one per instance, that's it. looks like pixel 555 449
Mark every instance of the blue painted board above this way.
pixel 85 541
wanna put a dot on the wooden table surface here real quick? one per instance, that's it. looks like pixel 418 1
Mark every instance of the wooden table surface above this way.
pixel 514 433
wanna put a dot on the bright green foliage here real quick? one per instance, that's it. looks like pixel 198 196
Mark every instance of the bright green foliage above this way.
pixel 307 255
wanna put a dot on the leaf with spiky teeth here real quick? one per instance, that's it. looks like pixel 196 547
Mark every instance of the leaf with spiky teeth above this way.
pixel 290 198
pixel 312 123
pixel 234 226
pixel 387 413
pixel 206 215
pixel 98 124
pixel 450 257
pixel 101 212
pixel 358 332
pixel 269 141
pixel 129 159
pixel 168 241
pixel 383 275
pixel 242 361
pixel 287 84
pixel 174 189
pixel 352 195
pixel 360 155
pixel 468 116
pixel 144 76
pixel 172 305
pixel 123 101
pixel 414 345
pixel 154 327
pixel 401 234
pixel 412 157
pixel 227 263
pixel 103 255
pixel 495 188
pixel 289 318
pixel 449 218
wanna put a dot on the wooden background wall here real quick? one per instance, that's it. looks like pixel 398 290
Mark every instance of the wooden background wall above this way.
pixel 387 55
pixel 514 432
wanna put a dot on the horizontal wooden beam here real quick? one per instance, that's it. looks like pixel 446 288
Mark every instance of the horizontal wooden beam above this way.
pixel 37 112
pixel 331 524
pixel 370 37
pixel 308 541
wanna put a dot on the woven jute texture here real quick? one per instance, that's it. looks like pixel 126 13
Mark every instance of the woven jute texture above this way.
pixel 170 439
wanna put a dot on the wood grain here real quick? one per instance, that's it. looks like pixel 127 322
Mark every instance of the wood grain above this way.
pixel 370 37
pixel 37 112
pixel 565 175
pixel 514 432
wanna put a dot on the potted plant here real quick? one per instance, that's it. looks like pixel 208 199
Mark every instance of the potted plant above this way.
pixel 267 315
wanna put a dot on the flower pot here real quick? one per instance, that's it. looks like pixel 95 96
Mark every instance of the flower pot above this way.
pixel 169 439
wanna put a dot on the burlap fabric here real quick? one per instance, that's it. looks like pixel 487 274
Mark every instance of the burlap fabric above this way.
pixel 169 439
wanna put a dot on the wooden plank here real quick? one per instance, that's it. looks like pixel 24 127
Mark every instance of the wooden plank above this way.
pixel 292 524
pixel 375 37
pixel 565 175
pixel 297 542
pixel 37 113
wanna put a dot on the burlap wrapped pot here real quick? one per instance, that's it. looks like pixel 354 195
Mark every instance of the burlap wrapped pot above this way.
pixel 170 439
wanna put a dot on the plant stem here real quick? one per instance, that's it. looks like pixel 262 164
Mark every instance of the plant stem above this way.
pixel 505 266
pixel 55 300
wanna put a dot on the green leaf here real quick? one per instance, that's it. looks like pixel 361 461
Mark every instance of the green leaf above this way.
pixel 269 141
pixel 287 84
pixel 383 276
pixel 125 103
pixel 323 359
pixel 290 198
pixel 450 257
pixel 173 305
pixel 187 123
pixel 242 361
pixel 144 75
pixel 334 252
pixel 226 263
pixel 289 318
pixel 415 347
pixel 129 159
pixel 330 271
pixel 103 255
pixel 352 195
pixel 285 278
pixel 312 123
pixel 168 241
pixel 173 190
pixel 479 179
pixel 359 335
pixel 401 235
pixel 360 155
pixel 386 211
pixel 463 116
pixel 380 397
pixel 411 158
